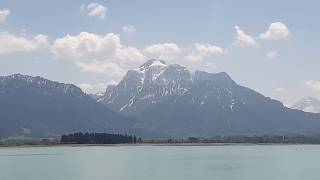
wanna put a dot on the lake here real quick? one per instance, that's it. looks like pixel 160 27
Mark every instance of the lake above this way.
pixel 233 162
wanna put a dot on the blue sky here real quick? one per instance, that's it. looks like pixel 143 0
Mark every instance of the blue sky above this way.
pixel 274 50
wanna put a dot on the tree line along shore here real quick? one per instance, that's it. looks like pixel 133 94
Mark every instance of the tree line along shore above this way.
pixel 112 139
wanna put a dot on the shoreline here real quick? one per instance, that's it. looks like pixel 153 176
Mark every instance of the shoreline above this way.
pixel 154 145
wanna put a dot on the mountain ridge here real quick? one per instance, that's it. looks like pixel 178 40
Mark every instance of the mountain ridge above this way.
pixel 177 102
pixel 37 107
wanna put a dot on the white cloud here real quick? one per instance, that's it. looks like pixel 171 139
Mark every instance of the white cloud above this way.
pixel 207 49
pixel 95 10
pixel 280 90
pixel 200 51
pixel 172 52
pixel 88 47
pixel 242 39
pixel 4 14
pixel 277 30
pixel 108 68
pixel 272 54
pixel 128 54
pixel 95 88
pixel 166 51
pixel 90 88
pixel 105 54
pixel 97 54
pixel 11 43
pixel 128 29
pixel 312 85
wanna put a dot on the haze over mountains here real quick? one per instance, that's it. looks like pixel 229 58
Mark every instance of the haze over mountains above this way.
pixel 155 100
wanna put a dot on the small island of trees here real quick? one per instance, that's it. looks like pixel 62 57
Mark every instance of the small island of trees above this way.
pixel 98 138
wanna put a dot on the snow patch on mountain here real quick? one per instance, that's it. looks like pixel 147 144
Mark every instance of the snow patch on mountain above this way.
pixel 155 81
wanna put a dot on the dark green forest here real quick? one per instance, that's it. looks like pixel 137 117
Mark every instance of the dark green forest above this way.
pixel 98 138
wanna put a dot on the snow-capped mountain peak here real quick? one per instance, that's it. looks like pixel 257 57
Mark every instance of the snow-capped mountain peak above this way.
pixel 155 81
pixel 154 62
pixel 307 104
pixel 152 69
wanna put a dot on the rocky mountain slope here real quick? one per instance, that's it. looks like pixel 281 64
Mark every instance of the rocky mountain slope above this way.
pixel 176 102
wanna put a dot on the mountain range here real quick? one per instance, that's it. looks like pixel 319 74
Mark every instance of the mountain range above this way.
pixel 154 100
pixel 176 102
pixel 37 107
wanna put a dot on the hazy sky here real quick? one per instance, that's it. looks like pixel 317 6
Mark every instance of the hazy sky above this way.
pixel 270 46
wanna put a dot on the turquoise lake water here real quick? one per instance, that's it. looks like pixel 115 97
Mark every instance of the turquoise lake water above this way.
pixel 264 162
